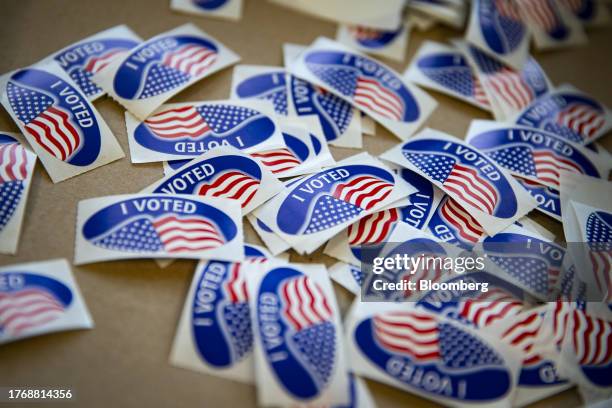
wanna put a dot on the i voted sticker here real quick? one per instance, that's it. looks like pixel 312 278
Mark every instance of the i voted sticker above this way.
pixel 453 224
pixel 549 200
pixel 385 43
pixel 187 130
pixel 226 9
pixel 148 75
pixel 61 125
pixel 87 57
pixel 467 175
pixel 261 82
pixel 157 226
pixel 365 83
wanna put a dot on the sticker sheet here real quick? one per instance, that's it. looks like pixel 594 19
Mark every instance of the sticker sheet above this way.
pixel 508 89
pixel 158 226
pixel 569 113
pixel 16 171
pixel 341 123
pixel 315 208
pixel 299 353
pixel 497 28
pixel 227 9
pixel 273 242
pixel 443 68
pixel 474 181
pixel 39 298
pixel 261 82
pixel 214 334
pixel 186 130
pixel 535 154
pixel 365 83
pixel 162 66
pixel 384 43
pixel 85 58
pixel 224 172
pixel 551 24
pixel 429 355
pixel 63 128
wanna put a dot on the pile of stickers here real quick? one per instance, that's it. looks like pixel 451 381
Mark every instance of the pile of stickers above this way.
pixel 251 315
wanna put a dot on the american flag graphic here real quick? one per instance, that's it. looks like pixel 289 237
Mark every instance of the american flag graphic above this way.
pixel 531 271
pixel 461 180
pixel 278 161
pixel 365 33
pixel 13 162
pixel 582 119
pixel 560 320
pixel 523 334
pixel 231 184
pixel 236 312
pixel 468 229
pixel 26 309
pixel 506 84
pixel 373 228
pixel 96 63
pixel 307 311
pixel 195 122
pixel 82 73
pixel 592 339
pixel 543 164
pixel 363 191
pixel 336 111
pixel 168 233
pixel 543 13
pixel 421 337
pixel 488 307
pixel 51 126
pixel 368 93
pixel 510 22
pixel 599 238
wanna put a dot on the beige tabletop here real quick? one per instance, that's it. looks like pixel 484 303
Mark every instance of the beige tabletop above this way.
pixel 123 361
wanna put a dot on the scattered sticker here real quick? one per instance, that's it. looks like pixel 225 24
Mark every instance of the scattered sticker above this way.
pixel 228 9
pixel 385 43
pixel 261 82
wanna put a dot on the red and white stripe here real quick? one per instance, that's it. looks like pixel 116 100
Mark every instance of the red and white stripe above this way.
pixel 13 162
pixel 549 166
pixel 510 88
pixel 470 187
pixel 372 95
pixel 467 227
pixel 541 13
pixel 98 62
pixel 479 93
pixel 187 234
pixel 592 338
pixel 373 228
pixel 523 334
pixel 508 9
pixel 27 309
pixel 304 303
pixel 363 191
pixel 191 59
pixel 178 123
pixel 601 262
pixel 574 5
pixel 232 184
pixel 278 161
pixel 490 306
pixel 560 319
pixel 582 119
pixel 413 333
pixel 365 33
pixel 431 271
pixel 235 286
pixel 55 132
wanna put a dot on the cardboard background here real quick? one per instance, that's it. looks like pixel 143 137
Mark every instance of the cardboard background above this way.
pixel 136 305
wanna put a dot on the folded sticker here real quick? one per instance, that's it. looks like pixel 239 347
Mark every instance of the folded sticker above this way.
pixel 228 9
pixel 385 43
pixel 61 125
pixel 548 198
pixel 474 181
pixel 273 242
pixel 348 276
pixel 508 89
pixel 158 226
pixel 214 334
pixel 367 84
pixel 569 113
pixel 162 66
pixel 224 172
pixel 443 68
pixel 39 298
pixel 496 27
pixel 315 208
pixel 429 355
pixel 261 82
pixel 186 130
pixel 83 59
pixel 534 154
pixel 16 171
pixel 551 24
pixel 299 353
